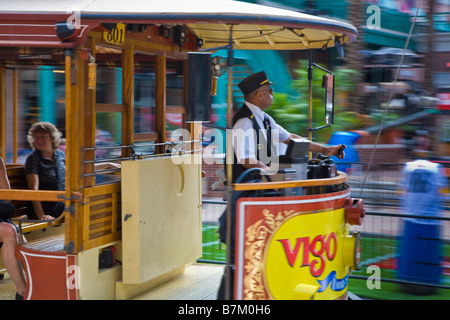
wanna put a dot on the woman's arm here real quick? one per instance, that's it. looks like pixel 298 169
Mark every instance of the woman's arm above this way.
pixel 33 184
pixel 4 182
pixel 106 165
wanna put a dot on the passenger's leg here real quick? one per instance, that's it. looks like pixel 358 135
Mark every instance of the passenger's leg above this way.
pixel 8 236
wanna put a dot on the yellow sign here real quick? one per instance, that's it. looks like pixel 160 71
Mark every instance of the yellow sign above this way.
pixel 304 251
pixel 299 248
pixel 116 35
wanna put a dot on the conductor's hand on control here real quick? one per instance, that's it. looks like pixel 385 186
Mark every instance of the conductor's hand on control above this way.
pixel 337 151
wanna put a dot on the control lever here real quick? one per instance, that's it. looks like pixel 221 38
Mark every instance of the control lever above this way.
pixel 322 156
pixel 340 152
pixel 286 170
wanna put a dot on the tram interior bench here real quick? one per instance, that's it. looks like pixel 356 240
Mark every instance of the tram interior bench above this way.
pixel 17 180
pixel 50 239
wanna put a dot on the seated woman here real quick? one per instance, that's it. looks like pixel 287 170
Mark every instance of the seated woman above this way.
pixel 8 238
pixel 45 168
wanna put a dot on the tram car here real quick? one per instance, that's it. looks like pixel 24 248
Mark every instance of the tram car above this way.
pixel 147 214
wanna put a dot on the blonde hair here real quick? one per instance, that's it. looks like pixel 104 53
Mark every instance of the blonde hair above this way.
pixel 44 127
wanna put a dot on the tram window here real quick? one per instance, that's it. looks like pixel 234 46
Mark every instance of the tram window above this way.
pixel 144 100
pixel 145 148
pixel 109 85
pixel 176 110
pixel 107 133
pixel 174 121
pixel 175 89
pixel 41 97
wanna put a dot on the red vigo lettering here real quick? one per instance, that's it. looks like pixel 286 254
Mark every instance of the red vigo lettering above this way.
pixel 321 247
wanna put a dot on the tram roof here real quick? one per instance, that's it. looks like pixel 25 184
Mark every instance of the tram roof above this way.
pixel 32 22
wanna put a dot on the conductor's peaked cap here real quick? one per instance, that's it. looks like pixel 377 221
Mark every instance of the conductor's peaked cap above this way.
pixel 253 82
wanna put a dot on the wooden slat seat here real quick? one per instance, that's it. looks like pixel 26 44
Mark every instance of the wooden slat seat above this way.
pixel 17 180
pixel 53 243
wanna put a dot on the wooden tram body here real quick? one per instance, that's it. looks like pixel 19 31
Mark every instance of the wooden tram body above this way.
pixel 151 211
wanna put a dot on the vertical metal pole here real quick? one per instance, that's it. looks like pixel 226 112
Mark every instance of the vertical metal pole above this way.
pixel 69 244
pixel 3 151
pixel 310 77
pixel 229 168
pixel 75 69
pixel 15 115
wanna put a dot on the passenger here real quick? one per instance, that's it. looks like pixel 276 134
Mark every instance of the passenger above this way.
pixel 9 238
pixel 45 168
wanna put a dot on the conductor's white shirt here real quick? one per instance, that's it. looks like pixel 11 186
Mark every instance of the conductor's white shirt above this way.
pixel 244 139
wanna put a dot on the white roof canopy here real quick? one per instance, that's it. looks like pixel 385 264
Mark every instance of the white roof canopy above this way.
pixel 253 26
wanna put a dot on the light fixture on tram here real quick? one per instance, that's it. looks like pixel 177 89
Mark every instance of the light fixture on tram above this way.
pixel 65 30
pixel 92 73
pixel 218 68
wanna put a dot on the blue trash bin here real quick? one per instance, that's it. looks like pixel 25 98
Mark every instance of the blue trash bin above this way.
pixel 351 155
pixel 420 256
pixel 420 248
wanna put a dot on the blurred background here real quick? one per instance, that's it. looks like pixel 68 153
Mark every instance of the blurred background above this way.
pixel 365 75
pixel 416 124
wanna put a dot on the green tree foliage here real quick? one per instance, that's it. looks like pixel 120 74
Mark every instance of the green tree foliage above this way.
pixel 291 112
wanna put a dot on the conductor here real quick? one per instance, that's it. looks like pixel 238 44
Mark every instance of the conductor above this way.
pixel 261 151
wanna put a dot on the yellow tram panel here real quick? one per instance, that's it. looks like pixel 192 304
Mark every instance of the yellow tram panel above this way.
pixel 161 216
pixel 295 247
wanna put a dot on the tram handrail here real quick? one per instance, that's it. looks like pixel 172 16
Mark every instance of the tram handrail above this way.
pixel 341 177
pixel 100 172
pixel 105 147
pixel 37 224
pixel 38 195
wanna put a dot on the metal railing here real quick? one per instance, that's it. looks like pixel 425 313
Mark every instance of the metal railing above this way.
pixel 382 234
pixel 381 231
